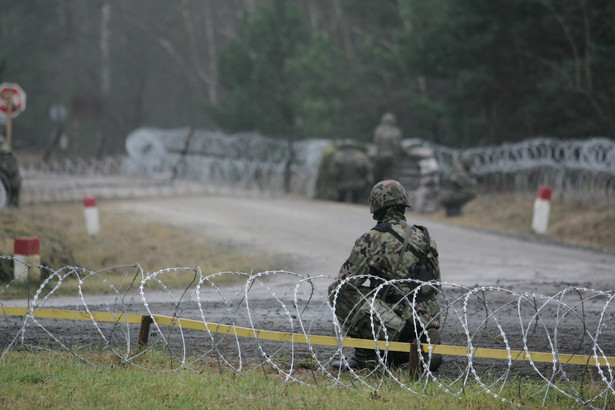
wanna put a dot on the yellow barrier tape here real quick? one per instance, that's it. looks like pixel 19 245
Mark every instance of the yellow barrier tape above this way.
pixel 312 339
pixel 72 315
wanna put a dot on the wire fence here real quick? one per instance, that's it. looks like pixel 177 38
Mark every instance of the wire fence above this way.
pixel 169 162
pixel 113 165
pixel 580 170
pixel 283 322
pixel 577 170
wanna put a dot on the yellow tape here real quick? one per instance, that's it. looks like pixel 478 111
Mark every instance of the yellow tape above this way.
pixel 72 315
pixel 312 339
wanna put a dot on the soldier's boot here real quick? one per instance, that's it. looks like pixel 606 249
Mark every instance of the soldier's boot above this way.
pixel 361 359
pixel 400 359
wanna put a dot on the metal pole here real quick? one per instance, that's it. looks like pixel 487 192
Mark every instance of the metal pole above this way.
pixel 9 126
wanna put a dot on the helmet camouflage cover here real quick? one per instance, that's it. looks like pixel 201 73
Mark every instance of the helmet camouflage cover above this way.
pixel 388 193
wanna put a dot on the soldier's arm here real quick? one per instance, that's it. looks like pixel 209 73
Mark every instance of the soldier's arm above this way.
pixel 358 262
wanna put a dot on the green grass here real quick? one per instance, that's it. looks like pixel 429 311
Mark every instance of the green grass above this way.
pixel 42 379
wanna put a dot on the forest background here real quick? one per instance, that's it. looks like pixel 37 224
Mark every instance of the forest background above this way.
pixel 459 73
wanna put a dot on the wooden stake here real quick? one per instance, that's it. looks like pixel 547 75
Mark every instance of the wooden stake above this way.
pixel 414 365
pixel 144 331
pixel 9 117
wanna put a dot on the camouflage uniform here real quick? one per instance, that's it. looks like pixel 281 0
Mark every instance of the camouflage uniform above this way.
pixel 388 252
pixel 9 173
pixel 459 188
pixel 349 170
pixel 387 138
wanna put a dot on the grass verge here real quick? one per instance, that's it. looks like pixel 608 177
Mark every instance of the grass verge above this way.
pixel 122 242
pixel 42 379
pixel 583 225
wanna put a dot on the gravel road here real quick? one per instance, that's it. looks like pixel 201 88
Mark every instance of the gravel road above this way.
pixel 318 235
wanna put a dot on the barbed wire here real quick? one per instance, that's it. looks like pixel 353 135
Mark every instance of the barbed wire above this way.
pixel 581 170
pixel 573 321
pixel 111 165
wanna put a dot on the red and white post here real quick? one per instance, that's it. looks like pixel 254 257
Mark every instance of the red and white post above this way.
pixel 542 207
pixel 92 225
pixel 27 253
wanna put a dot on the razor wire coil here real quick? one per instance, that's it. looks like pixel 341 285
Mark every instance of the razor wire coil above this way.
pixel 579 170
pixel 574 320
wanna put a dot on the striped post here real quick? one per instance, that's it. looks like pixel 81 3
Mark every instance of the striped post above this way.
pixel 92 225
pixel 27 254
pixel 542 207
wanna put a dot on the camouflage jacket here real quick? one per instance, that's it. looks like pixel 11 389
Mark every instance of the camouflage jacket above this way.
pixel 378 252
pixel 459 188
pixel 387 139
pixel 460 179
pixel 9 167
pixel 350 168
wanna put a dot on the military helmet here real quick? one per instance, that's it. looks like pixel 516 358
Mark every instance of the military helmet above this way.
pixel 345 143
pixel 388 193
pixel 388 118
pixel 466 160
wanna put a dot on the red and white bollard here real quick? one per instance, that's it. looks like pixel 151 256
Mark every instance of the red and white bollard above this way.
pixel 92 226
pixel 27 253
pixel 542 207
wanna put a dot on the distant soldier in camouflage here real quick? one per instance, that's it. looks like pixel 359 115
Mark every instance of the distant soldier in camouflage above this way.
pixel 350 172
pixel 9 173
pixel 459 188
pixel 391 250
pixel 387 138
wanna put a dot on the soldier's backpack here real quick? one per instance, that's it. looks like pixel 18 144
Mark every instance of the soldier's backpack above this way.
pixel 423 270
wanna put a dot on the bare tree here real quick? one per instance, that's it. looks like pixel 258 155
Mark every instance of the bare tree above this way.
pixel 343 24
pixel 579 40
pixel 105 77
pixel 203 64
pixel 195 50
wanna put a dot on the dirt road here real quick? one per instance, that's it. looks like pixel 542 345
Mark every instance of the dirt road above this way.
pixel 318 235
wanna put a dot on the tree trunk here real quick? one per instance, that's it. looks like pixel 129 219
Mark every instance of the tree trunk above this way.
pixel 105 78
pixel 212 52
pixel 343 24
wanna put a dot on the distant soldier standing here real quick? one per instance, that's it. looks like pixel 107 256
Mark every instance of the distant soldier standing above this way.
pixel 387 138
pixel 459 188
pixel 393 250
pixel 350 171
pixel 9 173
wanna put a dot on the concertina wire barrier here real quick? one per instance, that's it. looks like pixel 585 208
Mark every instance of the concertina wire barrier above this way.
pixel 283 322
pixel 577 169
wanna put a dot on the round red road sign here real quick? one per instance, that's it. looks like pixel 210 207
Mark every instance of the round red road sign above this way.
pixel 12 100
